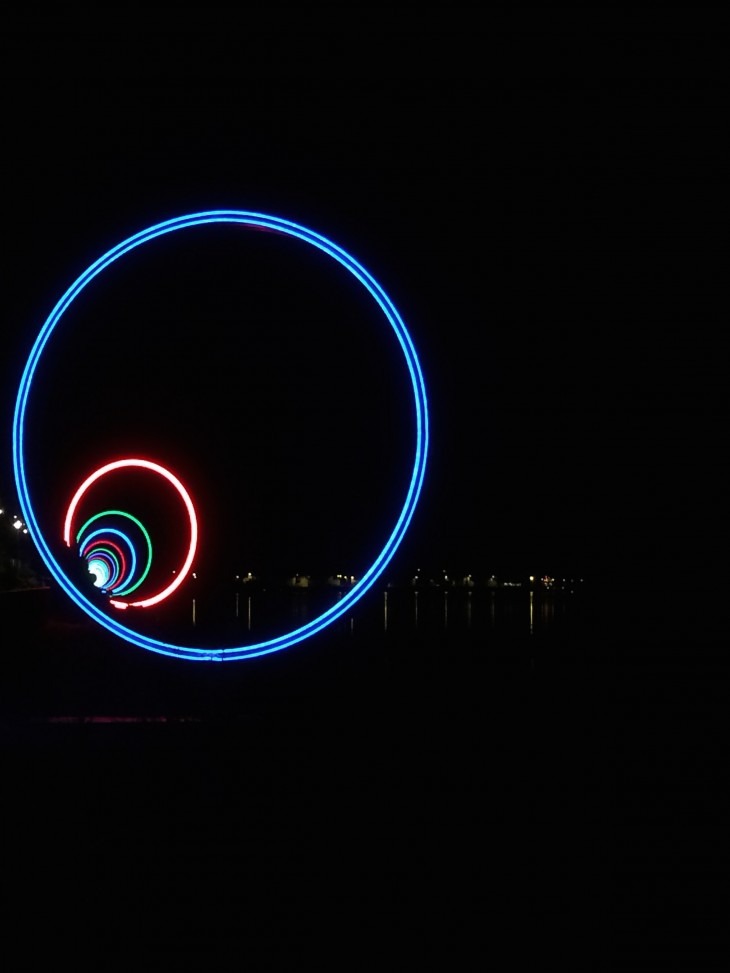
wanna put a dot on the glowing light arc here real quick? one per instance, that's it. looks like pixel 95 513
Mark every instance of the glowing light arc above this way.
pixel 256 221
pixel 184 495
pixel 126 588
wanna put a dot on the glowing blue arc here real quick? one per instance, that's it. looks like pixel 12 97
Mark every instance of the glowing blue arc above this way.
pixel 287 228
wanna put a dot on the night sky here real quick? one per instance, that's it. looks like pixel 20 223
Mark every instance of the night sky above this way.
pixel 535 200
pixel 544 196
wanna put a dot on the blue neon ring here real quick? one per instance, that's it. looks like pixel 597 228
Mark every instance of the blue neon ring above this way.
pixel 419 463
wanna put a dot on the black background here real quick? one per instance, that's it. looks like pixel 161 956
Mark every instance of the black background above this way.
pixel 545 198
pixel 542 202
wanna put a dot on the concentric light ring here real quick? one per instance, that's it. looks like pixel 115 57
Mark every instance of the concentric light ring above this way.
pixel 126 588
pixel 345 604
pixel 144 464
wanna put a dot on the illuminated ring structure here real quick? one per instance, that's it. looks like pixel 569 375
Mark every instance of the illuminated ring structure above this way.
pixel 116 581
pixel 287 228
pixel 111 572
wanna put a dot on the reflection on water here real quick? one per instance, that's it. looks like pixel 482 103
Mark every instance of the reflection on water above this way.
pixel 411 645
pixel 470 612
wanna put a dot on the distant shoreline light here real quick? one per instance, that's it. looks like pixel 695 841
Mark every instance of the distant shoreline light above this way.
pixel 365 582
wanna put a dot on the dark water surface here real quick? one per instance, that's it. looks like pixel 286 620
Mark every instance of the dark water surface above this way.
pixel 393 789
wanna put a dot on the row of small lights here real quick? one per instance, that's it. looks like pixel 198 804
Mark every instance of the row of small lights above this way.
pixel 19 525
pixel 546 580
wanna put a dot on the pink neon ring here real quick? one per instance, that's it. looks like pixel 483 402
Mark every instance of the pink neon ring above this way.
pixel 154 468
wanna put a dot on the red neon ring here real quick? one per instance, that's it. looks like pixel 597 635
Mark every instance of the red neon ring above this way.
pixel 171 478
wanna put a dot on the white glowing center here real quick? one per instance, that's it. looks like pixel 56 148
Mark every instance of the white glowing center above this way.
pixel 100 571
